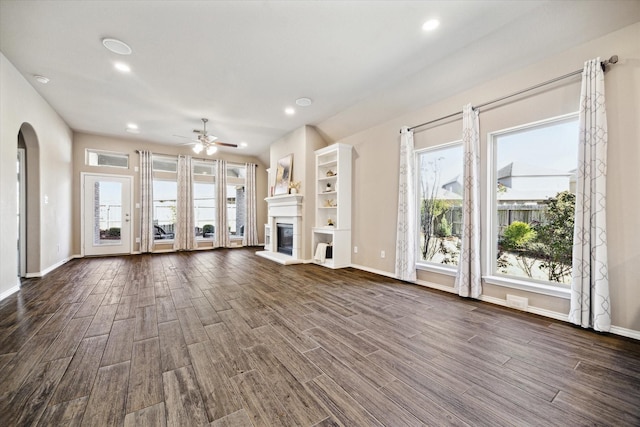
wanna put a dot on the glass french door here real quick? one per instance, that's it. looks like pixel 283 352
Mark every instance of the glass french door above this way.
pixel 107 215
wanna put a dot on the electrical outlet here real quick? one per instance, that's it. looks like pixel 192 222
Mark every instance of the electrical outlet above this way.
pixel 355 249
pixel 382 254
pixel 519 303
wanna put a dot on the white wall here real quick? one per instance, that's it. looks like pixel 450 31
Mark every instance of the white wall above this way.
pixel 377 158
pixel 20 103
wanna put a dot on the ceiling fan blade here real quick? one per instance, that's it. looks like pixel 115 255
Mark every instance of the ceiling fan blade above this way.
pixel 226 144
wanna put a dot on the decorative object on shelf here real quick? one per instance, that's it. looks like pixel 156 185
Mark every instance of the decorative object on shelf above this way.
pixel 328 187
pixel 294 187
pixel 283 175
pixel 330 203
pixel 331 173
pixel 330 222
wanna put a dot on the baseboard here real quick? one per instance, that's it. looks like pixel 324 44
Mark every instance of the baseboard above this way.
pixel 49 269
pixel 629 333
pixel 563 317
pixel 11 291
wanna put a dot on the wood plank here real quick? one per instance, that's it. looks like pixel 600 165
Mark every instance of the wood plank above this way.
pixel 101 323
pixel 67 413
pixel 107 400
pixel 217 302
pixel 90 306
pixel 120 342
pixel 166 312
pixel 205 311
pixel 296 362
pixel 60 318
pixel 242 331
pixel 183 401
pixel 381 407
pixel 341 405
pixel 218 395
pixel 145 382
pixel 26 404
pixel 192 327
pixel 237 419
pixel 18 368
pixel 292 395
pixel 173 349
pixel 146 323
pixel 126 307
pixel 68 340
pixel 151 416
pixel 78 379
pixel 262 407
pixel 225 349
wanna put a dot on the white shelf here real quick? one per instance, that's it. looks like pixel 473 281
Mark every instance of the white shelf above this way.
pixel 337 159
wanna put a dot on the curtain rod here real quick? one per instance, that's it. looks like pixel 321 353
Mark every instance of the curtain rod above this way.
pixel 198 158
pixel 603 64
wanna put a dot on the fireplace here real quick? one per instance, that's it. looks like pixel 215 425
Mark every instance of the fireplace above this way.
pixel 286 245
pixel 284 238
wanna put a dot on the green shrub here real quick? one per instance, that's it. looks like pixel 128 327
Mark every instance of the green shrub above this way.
pixel 517 235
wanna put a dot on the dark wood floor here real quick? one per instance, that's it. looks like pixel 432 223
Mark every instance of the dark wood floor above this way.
pixel 227 338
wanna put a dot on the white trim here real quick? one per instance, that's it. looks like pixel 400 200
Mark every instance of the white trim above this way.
pixel 10 291
pixel 629 333
pixel 444 288
pixel 48 269
pixel 375 271
pixel 530 309
pixel 22 212
pixel 529 286
pixel 437 268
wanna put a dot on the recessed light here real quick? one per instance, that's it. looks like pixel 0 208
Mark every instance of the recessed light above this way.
pixel 243 145
pixel 431 25
pixel 122 67
pixel 289 111
pixel 117 46
pixel 132 126
pixel 304 102
pixel 41 79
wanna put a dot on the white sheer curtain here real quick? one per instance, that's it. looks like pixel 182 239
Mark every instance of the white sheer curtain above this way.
pixel 590 304
pixel 221 236
pixel 250 237
pixel 469 275
pixel 185 237
pixel 146 201
pixel 406 247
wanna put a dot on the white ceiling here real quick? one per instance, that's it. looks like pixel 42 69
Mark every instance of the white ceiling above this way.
pixel 240 63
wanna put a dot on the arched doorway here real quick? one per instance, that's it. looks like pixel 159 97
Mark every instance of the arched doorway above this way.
pixel 28 201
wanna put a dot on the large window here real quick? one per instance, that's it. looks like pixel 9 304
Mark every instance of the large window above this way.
pixel 105 158
pixel 532 209
pixel 165 195
pixel 236 202
pixel 439 200
pixel 204 199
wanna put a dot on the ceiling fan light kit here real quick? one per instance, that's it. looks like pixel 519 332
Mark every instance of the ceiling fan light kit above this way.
pixel 207 143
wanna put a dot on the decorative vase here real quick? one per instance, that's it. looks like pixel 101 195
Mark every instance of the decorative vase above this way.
pixel 294 191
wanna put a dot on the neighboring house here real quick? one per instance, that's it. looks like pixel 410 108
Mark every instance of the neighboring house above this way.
pixel 524 183
pixel 454 185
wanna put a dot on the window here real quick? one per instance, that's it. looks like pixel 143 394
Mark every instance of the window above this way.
pixel 236 206
pixel 533 199
pixel 204 198
pixel 104 158
pixel 165 194
pixel 165 164
pixel 439 203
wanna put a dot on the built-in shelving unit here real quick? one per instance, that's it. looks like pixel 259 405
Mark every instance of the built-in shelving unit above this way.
pixel 332 224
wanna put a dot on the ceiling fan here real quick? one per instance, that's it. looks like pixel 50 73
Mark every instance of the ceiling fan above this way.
pixel 205 141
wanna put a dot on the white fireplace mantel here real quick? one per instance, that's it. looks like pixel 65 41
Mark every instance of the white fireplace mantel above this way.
pixel 284 209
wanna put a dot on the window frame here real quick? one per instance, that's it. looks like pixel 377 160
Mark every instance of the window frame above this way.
pixel 434 267
pixel 89 151
pixel 490 246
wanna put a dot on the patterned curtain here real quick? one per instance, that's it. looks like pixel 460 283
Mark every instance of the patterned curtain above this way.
pixel 469 275
pixel 250 237
pixel 146 201
pixel 221 236
pixel 406 247
pixel 185 236
pixel 590 304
